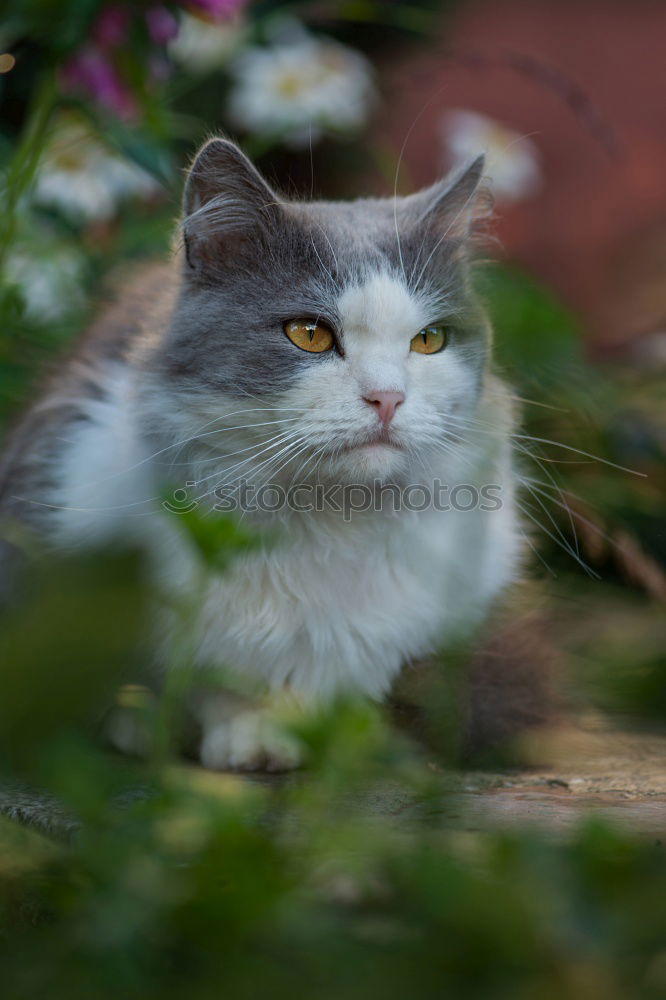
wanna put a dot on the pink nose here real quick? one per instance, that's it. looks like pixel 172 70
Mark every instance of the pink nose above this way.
pixel 386 403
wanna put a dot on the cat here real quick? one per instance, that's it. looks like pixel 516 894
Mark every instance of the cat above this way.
pixel 321 345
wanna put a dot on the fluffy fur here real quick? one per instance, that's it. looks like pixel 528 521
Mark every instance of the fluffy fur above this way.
pixel 202 387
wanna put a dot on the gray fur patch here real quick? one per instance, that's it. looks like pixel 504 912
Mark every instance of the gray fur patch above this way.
pixel 254 261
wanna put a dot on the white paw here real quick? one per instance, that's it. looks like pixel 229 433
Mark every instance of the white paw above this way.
pixel 248 741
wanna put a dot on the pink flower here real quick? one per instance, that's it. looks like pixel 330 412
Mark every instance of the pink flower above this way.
pixel 216 10
pixel 162 25
pixel 91 73
pixel 110 28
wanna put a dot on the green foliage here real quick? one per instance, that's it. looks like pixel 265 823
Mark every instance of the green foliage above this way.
pixel 537 342
pixel 216 539
pixel 75 638
pixel 180 881
pixel 59 25
pixel 620 661
pixel 590 450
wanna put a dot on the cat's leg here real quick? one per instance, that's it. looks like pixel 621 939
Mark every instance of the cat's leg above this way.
pixel 242 735
pixel 129 724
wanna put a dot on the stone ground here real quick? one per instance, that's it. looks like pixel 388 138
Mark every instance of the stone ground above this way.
pixel 587 766
pixel 593 768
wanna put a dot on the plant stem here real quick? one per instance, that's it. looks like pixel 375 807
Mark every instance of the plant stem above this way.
pixel 25 161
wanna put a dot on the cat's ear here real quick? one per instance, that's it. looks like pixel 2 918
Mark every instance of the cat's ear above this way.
pixel 455 205
pixel 226 201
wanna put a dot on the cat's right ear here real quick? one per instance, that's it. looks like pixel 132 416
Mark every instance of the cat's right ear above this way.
pixel 454 205
pixel 226 203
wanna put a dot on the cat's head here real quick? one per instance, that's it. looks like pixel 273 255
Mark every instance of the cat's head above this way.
pixel 341 337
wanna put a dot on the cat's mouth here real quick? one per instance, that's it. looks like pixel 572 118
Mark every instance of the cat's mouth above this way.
pixel 383 437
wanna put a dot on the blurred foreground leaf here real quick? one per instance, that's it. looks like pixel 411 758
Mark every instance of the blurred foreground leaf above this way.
pixel 72 634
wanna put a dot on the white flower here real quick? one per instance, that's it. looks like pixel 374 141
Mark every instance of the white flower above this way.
pixel 84 179
pixel 201 46
pixel 50 278
pixel 512 160
pixel 299 88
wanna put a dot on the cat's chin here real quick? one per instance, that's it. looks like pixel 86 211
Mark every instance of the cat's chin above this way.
pixel 366 463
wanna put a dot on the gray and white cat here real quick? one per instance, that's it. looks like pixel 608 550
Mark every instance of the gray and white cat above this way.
pixel 292 343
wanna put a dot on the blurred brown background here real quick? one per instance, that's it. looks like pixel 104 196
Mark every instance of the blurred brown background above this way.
pixel 587 82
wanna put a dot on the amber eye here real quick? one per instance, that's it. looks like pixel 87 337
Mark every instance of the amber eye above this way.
pixel 429 340
pixel 309 335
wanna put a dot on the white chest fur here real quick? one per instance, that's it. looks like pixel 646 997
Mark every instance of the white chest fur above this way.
pixel 336 606
pixel 331 612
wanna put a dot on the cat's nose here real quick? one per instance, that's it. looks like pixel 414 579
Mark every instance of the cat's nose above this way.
pixel 386 403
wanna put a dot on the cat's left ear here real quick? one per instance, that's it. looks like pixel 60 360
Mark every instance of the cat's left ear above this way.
pixel 455 205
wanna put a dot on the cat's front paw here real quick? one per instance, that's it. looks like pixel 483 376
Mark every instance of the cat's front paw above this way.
pixel 249 741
